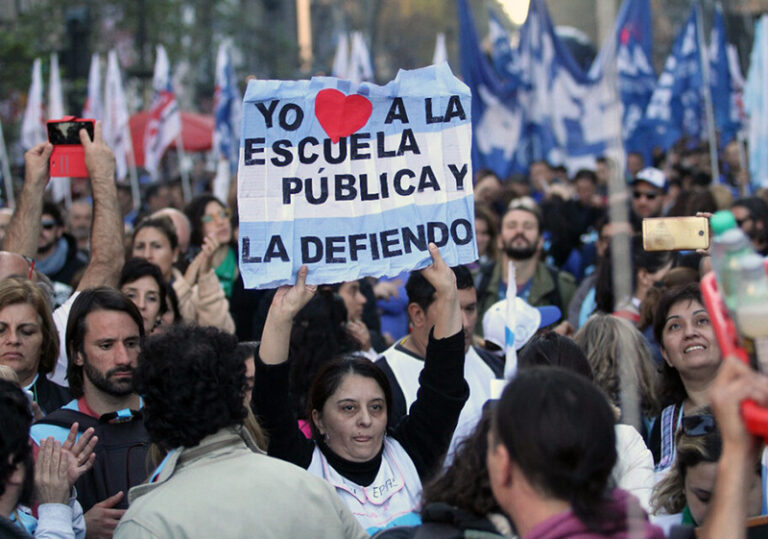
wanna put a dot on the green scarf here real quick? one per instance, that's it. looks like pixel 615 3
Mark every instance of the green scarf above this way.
pixel 226 272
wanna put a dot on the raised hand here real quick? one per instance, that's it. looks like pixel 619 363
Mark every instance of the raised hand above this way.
pixel 439 274
pixel 36 165
pixel 99 158
pixel 289 300
pixel 51 483
pixel 81 451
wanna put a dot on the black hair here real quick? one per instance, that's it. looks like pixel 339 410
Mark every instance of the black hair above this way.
pixel 672 388
pixel 15 449
pixel 586 174
pixel 192 380
pixel 332 375
pixel 318 335
pixel 550 349
pixel 540 421
pixel 103 298
pixel 195 211
pixel 421 292
pixel 50 208
pixel 136 268
pixel 153 188
pixel 162 223
pixel 650 261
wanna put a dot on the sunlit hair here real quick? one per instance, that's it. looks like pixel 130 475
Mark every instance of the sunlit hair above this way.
pixel 669 493
pixel 15 291
pixel 616 350
pixel 161 223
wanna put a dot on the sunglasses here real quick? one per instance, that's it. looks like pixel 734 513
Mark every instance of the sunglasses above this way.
pixel 698 425
pixel 223 214
pixel 48 225
pixel 647 194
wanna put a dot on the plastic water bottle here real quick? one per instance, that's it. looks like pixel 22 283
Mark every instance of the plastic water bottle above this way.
pixel 751 308
pixel 729 245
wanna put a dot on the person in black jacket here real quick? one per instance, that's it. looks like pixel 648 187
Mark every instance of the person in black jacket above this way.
pixel 57 253
pixel 378 475
pixel 29 342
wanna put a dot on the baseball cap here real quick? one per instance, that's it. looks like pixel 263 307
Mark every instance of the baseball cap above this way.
pixel 651 175
pixel 528 320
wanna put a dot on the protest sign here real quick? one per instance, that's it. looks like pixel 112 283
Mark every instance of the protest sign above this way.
pixel 354 180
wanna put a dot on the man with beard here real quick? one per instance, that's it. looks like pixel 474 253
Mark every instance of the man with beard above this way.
pixel 521 242
pixel 103 340
pixel 751 214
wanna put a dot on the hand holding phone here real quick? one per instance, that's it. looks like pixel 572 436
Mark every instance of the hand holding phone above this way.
pixel 675 233
pixel 68 157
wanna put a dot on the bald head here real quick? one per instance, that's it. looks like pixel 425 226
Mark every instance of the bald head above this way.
pixel 180 223
pixel 5 218
pixel 13 265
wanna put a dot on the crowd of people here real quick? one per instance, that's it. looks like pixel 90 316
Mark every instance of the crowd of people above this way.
pixel 147 393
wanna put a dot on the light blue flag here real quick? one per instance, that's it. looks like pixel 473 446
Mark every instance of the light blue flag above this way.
pixel 354 180
pixel 676 108
pixel 756 105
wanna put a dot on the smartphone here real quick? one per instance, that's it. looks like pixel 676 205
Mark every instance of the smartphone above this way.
pixel 68 156
pixel 67 132
pixel 675 233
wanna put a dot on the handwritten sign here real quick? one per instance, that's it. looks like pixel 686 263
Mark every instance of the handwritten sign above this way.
pixel 354 181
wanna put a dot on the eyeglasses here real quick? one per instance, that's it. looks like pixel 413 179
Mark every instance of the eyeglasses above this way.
pixel 698 425
pixel 650 195
pixel 221 215
pixel 48 225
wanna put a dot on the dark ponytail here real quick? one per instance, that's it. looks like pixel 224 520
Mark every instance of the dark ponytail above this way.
pixel 559 428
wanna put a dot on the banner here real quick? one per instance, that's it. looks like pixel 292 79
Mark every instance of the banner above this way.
pixel 33 129
pixel 354 181
pixel 164 123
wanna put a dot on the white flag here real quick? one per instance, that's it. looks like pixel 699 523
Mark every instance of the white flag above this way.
pixel 164 125
pixel 341 60
pixel 441 54
pixel 115 128
pixel 93 104
pixel 33 130
pixel 59 186
pixel 360 68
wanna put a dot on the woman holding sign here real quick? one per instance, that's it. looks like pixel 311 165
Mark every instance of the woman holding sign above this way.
pixel 377 473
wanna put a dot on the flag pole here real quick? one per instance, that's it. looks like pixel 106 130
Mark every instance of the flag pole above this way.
pixel 135 191
pixel 185 185
pixel 708 108
pixel 7 179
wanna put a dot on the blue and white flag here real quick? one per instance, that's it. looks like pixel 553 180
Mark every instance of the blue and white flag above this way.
pixel 727 118
pixel 676 108
pixel 541 104
pixel 354 180
pixel 497 112
pixel 227 109
pixel 631 47
pixel 756 105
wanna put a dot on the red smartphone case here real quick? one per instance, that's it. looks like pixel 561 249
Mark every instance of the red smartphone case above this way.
pixel 68 160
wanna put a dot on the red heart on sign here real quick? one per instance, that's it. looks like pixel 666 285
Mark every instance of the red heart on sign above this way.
pixel 341 115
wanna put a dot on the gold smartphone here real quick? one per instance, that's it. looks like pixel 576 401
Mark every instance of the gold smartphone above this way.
pixel 675 233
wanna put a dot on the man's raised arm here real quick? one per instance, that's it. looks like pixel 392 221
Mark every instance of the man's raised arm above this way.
pixel 24 229
pixel 107 255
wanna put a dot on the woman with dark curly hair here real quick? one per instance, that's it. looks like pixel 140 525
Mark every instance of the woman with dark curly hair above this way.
pixel 377 475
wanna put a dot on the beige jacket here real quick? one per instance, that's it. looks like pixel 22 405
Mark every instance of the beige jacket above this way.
pixel 224 487
pixel 203 303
